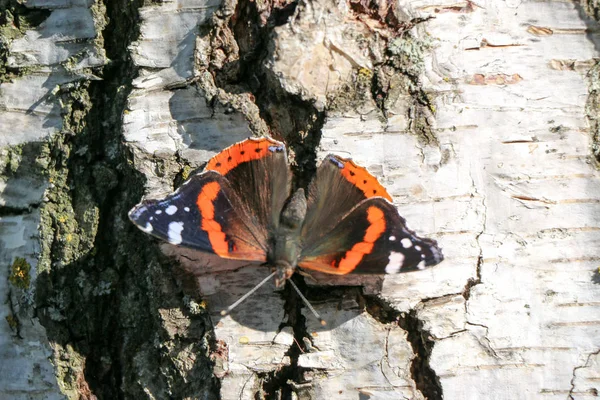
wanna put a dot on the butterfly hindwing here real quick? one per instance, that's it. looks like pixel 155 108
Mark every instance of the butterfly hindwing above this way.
pixel 203 214
pixel 370 239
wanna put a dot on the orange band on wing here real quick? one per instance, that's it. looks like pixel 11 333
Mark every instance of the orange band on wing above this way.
pixel 205 203
pixel 248 150
pixel 354 256
pixel 362 179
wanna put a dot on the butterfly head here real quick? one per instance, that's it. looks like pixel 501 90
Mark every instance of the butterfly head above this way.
pixel 283 272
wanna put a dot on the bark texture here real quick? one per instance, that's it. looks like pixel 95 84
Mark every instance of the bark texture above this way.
pixel 481 119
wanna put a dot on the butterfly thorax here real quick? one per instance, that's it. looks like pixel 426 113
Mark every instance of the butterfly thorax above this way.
pixel 286 249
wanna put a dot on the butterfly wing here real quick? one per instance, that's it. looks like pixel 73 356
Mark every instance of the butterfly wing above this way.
pixel 337 188
pixel 370 239
pixel 258 171
pixel 352 227
pixel 203 215
pixel 230 209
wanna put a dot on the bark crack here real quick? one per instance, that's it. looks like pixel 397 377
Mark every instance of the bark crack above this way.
pixel 477 280
pixel 586 365
pixel 6 211
pixel 385 358
pixel 102 318
pixel 281 383
pixel 242 37
pixel 426 379
pixel 244 82
pixel 486 341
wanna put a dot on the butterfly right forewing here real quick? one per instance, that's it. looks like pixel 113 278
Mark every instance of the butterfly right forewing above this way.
pixel 370 239
pixel 352 227
pixel 336 189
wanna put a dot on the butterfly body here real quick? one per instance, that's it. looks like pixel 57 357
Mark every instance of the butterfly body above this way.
pixel 241 207
pixel 286 248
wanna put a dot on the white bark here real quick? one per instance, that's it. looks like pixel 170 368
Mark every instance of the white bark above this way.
pixel 498 168
pixel 533 319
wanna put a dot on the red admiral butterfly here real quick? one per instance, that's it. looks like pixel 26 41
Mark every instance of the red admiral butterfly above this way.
pixel 240 208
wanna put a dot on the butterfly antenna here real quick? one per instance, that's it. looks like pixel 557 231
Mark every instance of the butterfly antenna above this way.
pixel 244 297
pixel 310 307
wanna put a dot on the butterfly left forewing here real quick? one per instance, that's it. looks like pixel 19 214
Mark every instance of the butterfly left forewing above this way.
pixel 231 209
pixel 370 239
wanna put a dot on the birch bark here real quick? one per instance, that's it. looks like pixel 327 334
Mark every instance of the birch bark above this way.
pixel 479 117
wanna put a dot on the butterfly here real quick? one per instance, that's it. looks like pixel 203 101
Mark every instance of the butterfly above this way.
pixel 242 207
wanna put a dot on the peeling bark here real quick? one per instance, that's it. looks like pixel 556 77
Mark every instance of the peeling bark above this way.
pixel 481 119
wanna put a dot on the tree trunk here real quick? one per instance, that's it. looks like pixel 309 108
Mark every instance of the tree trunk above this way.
pixel 479 117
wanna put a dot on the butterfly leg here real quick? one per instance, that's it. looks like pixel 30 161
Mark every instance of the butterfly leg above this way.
pixel 307 274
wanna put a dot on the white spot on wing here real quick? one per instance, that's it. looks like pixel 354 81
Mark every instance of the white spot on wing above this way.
pixel 395 263
pixel 175 229
pixel 186 209
pixel 406 243
pixel 275 149
pixel 148 228
pixel 392 238
pixel 418 248
pixel 421 265
pixel 151 218
pixel 158 212
pixel 335 161
pixel 171 209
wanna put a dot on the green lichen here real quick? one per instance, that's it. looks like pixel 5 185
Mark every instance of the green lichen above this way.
pixel 353 94
pixel 8 30
pixel 12 321
pixel 593 109
pixel 15 20
pixel 408 53
pixel 18 16
pixel 10 159
pixel 592 8
pixel 27 160
pixel 105 179
pixel 19 273
pixel 399 80
pixel 87 217
pixel 69 366
pixel 185 172
pixel 103 288
pixel 68 220
pixel 98 9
